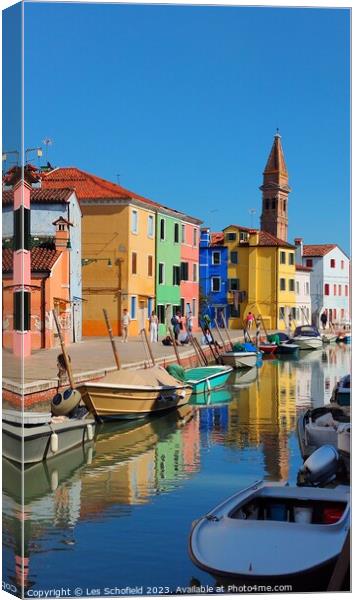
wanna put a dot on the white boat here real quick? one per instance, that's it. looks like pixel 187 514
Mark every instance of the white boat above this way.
pixel 239 360
pixel 274 532
pixel 323 425
pixel 307 337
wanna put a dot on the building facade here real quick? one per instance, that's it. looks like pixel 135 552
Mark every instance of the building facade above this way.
pixel 189 284
pixel 213 275
pixel 302 312
pixel 168 268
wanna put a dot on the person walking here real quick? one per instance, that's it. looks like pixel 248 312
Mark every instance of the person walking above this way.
pixel 177 324
pixel 153 326
pixel 125 322
pixel 250 320
pixel 323 319
pixel 189 323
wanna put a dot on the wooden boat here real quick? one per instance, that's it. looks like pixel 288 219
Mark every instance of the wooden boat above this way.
pixel 134 394
pixel 319 426
pixel 33 437
pixel 307 337
pixel 303 531
pixel 202 379
pixel 341 393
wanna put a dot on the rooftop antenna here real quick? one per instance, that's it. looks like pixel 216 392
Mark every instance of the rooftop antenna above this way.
pixel 118 178
pixel 48 142
pixel 252 212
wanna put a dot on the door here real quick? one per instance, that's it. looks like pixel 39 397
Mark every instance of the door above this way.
pixel 141 315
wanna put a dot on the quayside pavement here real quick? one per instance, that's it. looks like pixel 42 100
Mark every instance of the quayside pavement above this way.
pixel 91 359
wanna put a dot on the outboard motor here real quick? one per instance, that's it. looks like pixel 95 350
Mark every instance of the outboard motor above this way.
pixel 64 403
pixel 320 468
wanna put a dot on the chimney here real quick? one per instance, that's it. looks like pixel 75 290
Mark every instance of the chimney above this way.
pixel 62 237
pixel 299 250
pixel 205 237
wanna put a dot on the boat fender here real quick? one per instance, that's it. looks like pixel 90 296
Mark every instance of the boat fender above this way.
pixel 54 480
pixel 54 442
pixel 90 456
pixel 90 434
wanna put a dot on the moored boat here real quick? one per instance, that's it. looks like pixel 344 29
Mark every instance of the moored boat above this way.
pixel 239 360
pixel 319 426
pixel 134 394
pixel 33 437
pixel 268 348
pixel 202 379
pixel 225 542
pixel 307 337
pixel 288 348
pixel 341 393
pixel 213 398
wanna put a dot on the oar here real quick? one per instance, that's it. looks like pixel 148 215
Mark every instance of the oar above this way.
pixel 200 351
pixel 209 344
pixel 199 357
pixel 143 331
pixel 226 331
pixel 64 351
pixel 110 333
pixel 174 345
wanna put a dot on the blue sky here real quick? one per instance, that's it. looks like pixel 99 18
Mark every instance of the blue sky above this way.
pixel 183 103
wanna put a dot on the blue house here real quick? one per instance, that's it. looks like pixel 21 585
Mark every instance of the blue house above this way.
pixel 213 275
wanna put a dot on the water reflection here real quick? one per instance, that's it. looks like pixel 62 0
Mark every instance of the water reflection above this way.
pixel 143 483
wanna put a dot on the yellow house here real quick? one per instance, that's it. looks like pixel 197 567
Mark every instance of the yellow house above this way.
pixel 118 250
pixel 261 273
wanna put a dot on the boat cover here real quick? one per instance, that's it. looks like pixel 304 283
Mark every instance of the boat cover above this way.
pixel 152 377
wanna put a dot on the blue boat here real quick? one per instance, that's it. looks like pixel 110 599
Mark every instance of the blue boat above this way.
pixel 202 379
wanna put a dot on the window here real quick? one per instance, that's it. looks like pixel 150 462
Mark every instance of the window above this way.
pixel 342 264
pixel 133 307
pixel 134 221
pixel 291 258
pixel 297 287
pixel 195 237
pixel 215 284
pixel 161 313
pixel 334 289
pixel 327 289
pixel 307 288
pixel 346 290
pixel 162 229
pixel 284 205
pixel 293 313
pixel 309 262
pixel 181 308
pixel 340 290
pixel 22 311
pixel 291 285
pixel 342 314
pixel 282 258
pixel 194 275
pixel 134 263
pixel 183 234
pixel 150 265
pixel 332 263
pixel 150 226
pixel 273 203
pixel 231 237
pixel 194 306
pixel 184 271
pixel 176 275
pixel 281 312
pixel 243 236
pixel 234 258
pixel 267 203
pixel 216 258
pixel 176 233
pixel 161 273
pixel 234 285
pixel 22 228
pixel 335 313
pixel 282 285
pixel 234 311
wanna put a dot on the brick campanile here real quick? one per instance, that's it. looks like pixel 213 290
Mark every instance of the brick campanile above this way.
pixel 275 188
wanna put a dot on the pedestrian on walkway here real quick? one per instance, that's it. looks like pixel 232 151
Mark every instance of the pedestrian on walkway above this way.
pixel 153 326
pixel 125 322
pixel 250 320
pixel 189 323
pixel 176 321
pixel 324 319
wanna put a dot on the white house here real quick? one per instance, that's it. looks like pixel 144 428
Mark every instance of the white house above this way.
pixel 302 294
pixel 330 280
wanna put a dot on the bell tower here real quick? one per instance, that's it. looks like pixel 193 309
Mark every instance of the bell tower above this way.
pixel 275 188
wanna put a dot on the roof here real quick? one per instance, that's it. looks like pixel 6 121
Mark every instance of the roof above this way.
pixel 317 249
pixel 217 239
pixel 42 259
pixel 265 238
pixel 275 170
pixel 92 187
pixel 41 196
pixel 303 268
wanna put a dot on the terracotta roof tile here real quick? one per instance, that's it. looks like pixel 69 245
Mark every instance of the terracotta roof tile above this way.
pixel 42 259
pixel 303 268
pixel 267 239
pixel 217 239
pixel 41 196
pixel 317 249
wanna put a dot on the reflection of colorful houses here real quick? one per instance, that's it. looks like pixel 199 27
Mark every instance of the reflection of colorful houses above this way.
pixel 213 274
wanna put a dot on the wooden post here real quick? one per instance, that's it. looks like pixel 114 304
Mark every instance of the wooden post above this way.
pixel 209 345
pixel 174 345
pixel 64 351
pixel 219 333
pixel 143 331
pixel 226 331
pixel 199 349
pixel 201 362
pixel 110 333
pixel 340 571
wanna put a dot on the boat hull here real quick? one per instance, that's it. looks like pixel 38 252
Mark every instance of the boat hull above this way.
pixel 288 349
pixel 306 343
pixel 239 360
pixel 268 348
pixel 109 402
pixel 35 442
pixel 217 380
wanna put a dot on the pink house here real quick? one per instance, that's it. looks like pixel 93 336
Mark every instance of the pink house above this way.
pixel 189 285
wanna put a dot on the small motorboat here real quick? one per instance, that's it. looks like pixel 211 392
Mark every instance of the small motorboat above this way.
pixel 201 379
pixel 273 532
pixel 31 437
pixel 213 398
pixel 242 356
pixel 341 393
pixel 134 394
pixel 319 426
pixel 307 337
pixel 268 348
pixel 288 348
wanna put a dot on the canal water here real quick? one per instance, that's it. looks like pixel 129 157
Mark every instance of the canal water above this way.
pixel 118 513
